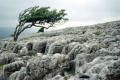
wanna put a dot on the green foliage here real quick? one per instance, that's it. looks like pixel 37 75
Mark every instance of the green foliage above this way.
pixel 39 17
pixel 72 72
pixel 85 39
pixel 31 53
pixel 42 15
pixel 41 30
pixel 1 67
pixel 97 33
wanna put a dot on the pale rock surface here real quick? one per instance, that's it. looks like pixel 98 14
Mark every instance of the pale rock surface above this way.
pixel 6 58
pixel 8 69
pixel 76 53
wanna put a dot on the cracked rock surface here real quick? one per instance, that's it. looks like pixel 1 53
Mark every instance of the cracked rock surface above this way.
pixel 76 53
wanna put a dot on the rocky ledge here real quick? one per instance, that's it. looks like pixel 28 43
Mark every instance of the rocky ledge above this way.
pixel 78 53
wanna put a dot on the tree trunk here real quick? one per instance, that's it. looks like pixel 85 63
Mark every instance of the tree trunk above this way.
pixel 15 37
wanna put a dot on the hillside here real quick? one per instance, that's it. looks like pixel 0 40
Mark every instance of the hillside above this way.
pixel 77 53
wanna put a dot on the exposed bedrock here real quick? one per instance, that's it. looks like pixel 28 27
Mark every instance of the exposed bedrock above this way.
pixel 77 53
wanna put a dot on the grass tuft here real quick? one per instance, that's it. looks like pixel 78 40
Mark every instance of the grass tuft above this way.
pixel 1 68
pixel 97 33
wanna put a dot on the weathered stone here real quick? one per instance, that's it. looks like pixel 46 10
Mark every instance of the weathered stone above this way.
pixel 39 54
pixel 23 52
pixel 69 47
pixel 17 48
pixel 78 49
pixel 2 76
pixel 12 67
pixel 39 47
pixel 58 77
pixel 18 75
pixel 46 65
pixel 100 68
pixel 29 46
pixel 56 47
pixel 116 32
pixel 77 53
pixel 6 58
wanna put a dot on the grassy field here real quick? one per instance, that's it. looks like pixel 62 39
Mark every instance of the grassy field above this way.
pixel 1 68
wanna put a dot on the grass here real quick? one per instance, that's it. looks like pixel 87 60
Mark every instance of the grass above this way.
pixel 85 38
pixel 97 33
pixel 31 53
pixel 1 67
pixel 72 72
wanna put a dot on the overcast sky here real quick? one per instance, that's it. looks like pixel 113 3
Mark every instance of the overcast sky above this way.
pixel 80 12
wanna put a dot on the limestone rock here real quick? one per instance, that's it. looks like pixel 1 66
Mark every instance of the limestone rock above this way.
pixel 6 58
pixel 2 76
pixel 100 68
pixel 39 54
pixel 75 53
pixel 58 77
pixel 17 48
pixel 18 75
pixel 69 47
pixel 23 52
pixel 46 65
pixel 12 67
pixel 56 47
pixel 78 49
pixel 39 47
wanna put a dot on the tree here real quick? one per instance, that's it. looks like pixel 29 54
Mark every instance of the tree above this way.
pixel 37 16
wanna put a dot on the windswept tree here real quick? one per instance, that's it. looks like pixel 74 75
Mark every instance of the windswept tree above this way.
pixel 42 17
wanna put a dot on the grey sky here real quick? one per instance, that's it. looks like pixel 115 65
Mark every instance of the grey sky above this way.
pixel 80 12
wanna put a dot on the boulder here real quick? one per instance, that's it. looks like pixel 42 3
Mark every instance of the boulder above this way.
pixel 82 59
pixel 2 76
pixel 57 47
pixel 25 58
pixel 69 47
pixel 114 52
pixel 29 46
pixel 6 58
pixel 18 75
pixel 45 66
pixel 117 37
pixel 115 32
pixel 11 45
pixel 100 68
pixel 39 54
pixel 37 67
pixel 23 52
pixel 39 47
pixel 17 48
pixel 78 49
pixel 28 78
pixel 12 67
pixel 57 77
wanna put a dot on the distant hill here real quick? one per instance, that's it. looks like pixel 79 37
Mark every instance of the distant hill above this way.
pixel 7 31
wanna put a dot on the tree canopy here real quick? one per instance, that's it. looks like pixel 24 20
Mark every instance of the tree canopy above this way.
pixel 43 17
